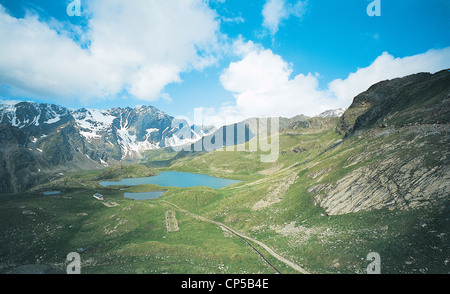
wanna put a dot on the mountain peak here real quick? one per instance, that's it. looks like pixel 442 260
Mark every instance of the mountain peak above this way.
pixel 332 113
pixel 128 130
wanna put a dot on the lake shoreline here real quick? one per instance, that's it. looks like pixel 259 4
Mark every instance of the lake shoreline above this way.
pixel 175 179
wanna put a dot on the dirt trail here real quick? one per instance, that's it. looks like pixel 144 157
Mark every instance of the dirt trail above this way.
pixel 267 248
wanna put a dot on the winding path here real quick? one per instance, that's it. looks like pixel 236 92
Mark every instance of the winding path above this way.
pixel 243 236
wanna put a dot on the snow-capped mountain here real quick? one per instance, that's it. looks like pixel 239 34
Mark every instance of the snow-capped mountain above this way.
pixel 50 136
pixel 133 130
pixel 332 113
pixel 31 117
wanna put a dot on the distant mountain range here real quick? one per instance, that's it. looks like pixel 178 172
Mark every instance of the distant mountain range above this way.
pixel 40 140
pixel 39 137
pixel 128 131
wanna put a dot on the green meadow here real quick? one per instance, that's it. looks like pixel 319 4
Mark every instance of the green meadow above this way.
pixel 272 206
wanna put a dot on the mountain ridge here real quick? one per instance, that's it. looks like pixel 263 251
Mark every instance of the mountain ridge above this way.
pixel 404 164
pixel 61 139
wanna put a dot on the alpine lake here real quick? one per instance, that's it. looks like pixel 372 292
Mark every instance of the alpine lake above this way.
pixel 171 179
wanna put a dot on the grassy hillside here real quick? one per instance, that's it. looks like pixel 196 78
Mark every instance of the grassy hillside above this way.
pixel 279 208
pixel 376 180
pixel 126 237
pixel 273 206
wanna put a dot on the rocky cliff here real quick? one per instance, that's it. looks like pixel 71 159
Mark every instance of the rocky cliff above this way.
pixel 398 135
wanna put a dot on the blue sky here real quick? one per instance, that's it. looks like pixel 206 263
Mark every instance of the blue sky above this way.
pixel 232 58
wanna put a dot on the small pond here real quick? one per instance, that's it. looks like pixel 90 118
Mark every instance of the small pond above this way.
pixel 52 193
pixel 144 195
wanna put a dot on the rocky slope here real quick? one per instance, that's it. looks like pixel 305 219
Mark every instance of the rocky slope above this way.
pixel 401 131
pixel 416 99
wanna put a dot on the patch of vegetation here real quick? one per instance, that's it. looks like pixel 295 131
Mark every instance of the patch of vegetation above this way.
pixel 120 172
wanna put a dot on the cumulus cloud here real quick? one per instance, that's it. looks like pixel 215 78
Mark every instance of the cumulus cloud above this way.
pixel 275 11
pixel 37 59
pixel 263 85
pixel 387 67
pixel 140 47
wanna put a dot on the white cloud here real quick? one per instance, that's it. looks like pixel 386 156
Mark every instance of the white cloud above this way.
pixel 275 11
pixel 262 83
pixel 37 59
pixel 140 46
pixel 237 19
pixel 262 86
pixel 387 67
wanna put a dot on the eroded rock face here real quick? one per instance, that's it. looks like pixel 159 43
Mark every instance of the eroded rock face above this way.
pixel 404 168
pixel 405 126
pixel 382 186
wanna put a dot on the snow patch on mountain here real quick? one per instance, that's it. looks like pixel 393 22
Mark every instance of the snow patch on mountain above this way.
pixel 93 119
pixel 90 135
pixel 52 120
pixel 130 145
pixel 26 114
pixel 116 133
pixel 332 113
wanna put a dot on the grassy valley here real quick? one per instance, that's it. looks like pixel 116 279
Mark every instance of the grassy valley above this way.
pixel 372 181
pixel 274 205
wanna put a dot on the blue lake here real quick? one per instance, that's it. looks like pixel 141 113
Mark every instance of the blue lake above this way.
pixel 176 179
pixel 144 195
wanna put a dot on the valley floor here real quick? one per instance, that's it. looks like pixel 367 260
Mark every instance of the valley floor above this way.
pixel 272 222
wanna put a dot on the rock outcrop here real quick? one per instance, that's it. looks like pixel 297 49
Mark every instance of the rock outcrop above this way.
pixel 404 127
